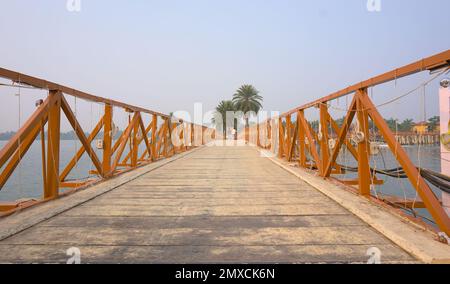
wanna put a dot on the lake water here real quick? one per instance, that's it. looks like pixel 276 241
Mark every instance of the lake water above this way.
pixel 26 181
pixel 428 157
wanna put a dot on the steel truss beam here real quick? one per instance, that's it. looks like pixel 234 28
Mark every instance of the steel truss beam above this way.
pixel 48 114
pixel 303 139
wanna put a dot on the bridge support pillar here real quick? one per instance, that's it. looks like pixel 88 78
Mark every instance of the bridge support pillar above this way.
pixel 258 139
pixel 54 129
pixel 364 176
pixel 107 139
pixel 301 140
pixel 154 129
pixel 287 144
pixel 135 144
pixel 280 138
pixel 166 137
pixel 191 143
pixel 324 148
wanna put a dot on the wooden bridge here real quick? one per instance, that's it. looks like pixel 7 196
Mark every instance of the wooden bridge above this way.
pixel 205 207
pixel 191 197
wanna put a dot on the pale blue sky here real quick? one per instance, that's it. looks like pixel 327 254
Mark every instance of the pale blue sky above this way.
pixel 167 55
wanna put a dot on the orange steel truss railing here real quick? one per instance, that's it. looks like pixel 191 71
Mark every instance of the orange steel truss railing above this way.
pixel 296 140
pixel 158 146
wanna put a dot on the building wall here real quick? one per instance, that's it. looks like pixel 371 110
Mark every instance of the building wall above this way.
pixel 420 129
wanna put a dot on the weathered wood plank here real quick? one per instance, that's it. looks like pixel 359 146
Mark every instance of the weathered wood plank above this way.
pixel 261 201
pixel 208 195
pixel 202 254
pixel 251 210
pixel 205 222
pixel 82 236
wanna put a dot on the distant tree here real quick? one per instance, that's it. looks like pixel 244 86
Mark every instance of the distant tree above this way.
pixel 433 123
pixel 392 123
pixel 406 125
pixel 247 99
pixel 221 115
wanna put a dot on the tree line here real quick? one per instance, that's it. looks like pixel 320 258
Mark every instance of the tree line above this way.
pixel 406 125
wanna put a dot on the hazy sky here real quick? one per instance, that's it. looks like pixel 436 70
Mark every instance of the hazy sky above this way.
pixel 167 55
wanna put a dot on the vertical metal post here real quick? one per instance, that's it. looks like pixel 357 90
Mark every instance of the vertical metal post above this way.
pixel 192 135
pixel 173 136
pixel 301 140
pixel 289 135
pixel 324 148
pixel 54 128
pixel 135 147
pixel 258 141
pixel 166 142
pixel 203 135
pixel 364 175
pixel 154 129
pixel 130 138
pixel 280 138
pixel 185 136
pixel 44 162
pixel 107 139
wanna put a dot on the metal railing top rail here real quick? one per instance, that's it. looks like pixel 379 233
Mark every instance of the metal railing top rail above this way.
pixel 24 79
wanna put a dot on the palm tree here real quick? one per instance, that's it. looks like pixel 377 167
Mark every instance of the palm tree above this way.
pixel 221 114
pixel 247 99
pixel 406 125
pixel 392 123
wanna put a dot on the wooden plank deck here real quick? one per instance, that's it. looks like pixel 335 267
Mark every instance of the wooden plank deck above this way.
pixel 216 205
